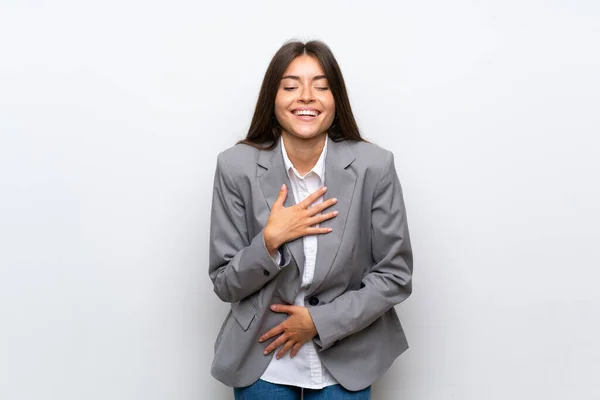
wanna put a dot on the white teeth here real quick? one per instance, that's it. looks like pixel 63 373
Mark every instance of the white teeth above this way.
pixel 306 112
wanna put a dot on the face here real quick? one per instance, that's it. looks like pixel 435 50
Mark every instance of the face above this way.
pixel 304 105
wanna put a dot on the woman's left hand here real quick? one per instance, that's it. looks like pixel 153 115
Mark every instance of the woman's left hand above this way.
pixel 294 331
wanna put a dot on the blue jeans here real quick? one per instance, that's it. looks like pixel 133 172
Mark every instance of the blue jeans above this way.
pixel 263 390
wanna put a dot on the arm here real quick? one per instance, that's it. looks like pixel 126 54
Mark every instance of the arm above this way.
pixel 389 281
pixel 238 265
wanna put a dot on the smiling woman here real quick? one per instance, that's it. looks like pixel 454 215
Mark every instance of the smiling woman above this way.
pixel 320 323
pixel 305 76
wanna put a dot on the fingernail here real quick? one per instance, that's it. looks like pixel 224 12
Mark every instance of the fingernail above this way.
pixel 283 186
pixel 273 307
pixel 335 213
pixel 266 352
pixel 324 188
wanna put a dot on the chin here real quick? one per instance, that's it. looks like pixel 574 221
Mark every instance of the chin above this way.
pixel 306 134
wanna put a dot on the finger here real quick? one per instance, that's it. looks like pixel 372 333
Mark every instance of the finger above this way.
pixel 296 349
pixel 281 196
pixel 288 345
pixel 321 217
pixel 276 343
pixel 272 333
pixel 316 231
pixel 312 197
pixel 283 308
pixel 321 206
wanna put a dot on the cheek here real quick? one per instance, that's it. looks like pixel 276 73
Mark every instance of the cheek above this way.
pixel 328 103
pixel 330 106
pixel 330 118
pixel 278 104
pixel 281 104
pixel 281 115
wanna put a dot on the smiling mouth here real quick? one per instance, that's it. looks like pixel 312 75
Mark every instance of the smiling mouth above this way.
pixel 306 113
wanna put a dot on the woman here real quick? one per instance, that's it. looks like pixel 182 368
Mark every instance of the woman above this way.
pixel 312 271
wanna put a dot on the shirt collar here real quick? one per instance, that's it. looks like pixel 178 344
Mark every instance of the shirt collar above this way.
pixel 319 167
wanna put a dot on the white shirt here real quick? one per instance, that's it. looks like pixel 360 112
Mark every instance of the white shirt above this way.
pixel 305 369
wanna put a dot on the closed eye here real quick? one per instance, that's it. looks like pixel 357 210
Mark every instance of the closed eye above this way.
pixel 322 88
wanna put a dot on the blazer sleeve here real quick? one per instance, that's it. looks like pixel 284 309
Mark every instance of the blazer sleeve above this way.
pixel 238 265
pixel 388 282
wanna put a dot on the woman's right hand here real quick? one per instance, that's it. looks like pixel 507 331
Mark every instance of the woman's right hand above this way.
pixel 289 223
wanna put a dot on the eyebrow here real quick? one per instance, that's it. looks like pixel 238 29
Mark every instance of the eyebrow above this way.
pixel 296 77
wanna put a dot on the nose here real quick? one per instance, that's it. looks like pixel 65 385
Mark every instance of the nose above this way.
pixel 306 94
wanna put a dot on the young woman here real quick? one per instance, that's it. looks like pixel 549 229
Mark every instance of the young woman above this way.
pixel 308 242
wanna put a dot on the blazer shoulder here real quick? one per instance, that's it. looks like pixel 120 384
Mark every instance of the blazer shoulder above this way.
pixel 237 158
pixel 370 155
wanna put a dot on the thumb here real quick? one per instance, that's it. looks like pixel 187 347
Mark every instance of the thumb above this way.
pixel 281 196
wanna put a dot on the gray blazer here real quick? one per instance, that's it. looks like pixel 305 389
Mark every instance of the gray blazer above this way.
pixel 363 267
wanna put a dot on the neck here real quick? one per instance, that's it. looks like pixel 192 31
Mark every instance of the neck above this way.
pixel 304 153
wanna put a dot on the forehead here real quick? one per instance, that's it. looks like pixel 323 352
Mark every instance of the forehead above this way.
pixel 304 65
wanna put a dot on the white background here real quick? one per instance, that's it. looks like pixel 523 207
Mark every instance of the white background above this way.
pixel 111 118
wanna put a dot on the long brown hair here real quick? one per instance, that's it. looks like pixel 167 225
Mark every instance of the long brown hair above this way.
pixel 264 128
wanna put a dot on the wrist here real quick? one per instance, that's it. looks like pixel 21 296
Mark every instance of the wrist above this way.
pixel 271 244
pixel 313 327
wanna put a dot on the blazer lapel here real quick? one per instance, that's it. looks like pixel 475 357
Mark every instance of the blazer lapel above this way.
pixel 270 183
pixel 340 183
